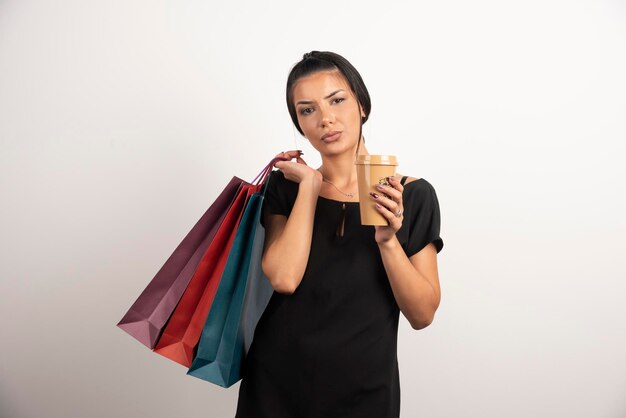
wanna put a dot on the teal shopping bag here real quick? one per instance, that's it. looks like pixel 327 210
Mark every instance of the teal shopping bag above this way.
pixel 221 349
pixel 259 291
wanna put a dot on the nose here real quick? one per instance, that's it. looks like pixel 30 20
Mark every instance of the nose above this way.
pixel 328 115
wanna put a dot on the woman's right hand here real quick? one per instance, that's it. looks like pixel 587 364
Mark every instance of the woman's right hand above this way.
pixel 297 171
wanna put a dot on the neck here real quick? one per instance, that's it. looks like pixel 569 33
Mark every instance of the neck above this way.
pixel 340 170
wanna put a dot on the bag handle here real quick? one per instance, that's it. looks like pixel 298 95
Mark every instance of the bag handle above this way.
pixel 265 172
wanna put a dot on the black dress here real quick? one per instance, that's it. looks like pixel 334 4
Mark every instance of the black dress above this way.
pixel 329 349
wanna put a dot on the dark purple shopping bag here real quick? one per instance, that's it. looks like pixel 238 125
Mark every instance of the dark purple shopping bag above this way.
pixel 147 317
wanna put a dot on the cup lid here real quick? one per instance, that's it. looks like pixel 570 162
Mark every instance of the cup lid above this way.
pixel 376 159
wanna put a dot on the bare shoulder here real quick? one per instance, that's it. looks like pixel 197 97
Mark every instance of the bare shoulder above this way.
pixel 408 180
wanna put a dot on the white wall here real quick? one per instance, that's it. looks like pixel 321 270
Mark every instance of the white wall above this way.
pixel 120 122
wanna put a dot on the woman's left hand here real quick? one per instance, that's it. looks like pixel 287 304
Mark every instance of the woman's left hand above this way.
pixel 389 204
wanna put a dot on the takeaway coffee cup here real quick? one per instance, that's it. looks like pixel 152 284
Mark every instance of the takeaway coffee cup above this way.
pixel 372 170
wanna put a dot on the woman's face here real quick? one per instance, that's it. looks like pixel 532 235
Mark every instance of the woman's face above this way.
pixel 324 103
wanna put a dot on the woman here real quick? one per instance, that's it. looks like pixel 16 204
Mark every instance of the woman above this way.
pixel 325 345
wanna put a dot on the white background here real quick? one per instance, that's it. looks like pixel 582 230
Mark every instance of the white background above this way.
pixel 121 121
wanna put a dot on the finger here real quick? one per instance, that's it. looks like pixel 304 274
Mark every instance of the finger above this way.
pixel 293 153
pixel 283 164
pixel 391 218
pixel 389 191
pixel 281 160
pixel 387 202
pixel 395 183
pixel 301 161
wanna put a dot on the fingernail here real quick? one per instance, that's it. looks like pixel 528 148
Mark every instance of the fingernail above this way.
pixel 374 194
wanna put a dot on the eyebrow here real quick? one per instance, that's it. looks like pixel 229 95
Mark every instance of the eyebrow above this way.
pixel 309 101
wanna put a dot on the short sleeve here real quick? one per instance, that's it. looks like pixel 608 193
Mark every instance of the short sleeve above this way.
pixel 277 199
pixel 422 217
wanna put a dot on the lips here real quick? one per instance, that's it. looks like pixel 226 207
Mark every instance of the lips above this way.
pixel 331 136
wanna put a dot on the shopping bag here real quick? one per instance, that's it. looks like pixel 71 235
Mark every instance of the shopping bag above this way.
pixel 258 292
pixel 147 317
pixel 182 332
pixel 184 328
pixel 222 345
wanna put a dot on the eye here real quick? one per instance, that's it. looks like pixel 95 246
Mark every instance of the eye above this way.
pixel 304 111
